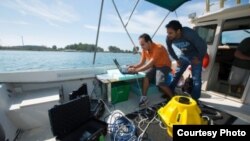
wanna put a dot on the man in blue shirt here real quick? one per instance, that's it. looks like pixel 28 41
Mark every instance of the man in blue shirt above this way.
pixel 186 47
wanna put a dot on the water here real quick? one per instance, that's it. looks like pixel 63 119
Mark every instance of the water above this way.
pixel 12 61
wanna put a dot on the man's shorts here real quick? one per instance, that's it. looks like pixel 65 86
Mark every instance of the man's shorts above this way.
pixel 238 76
pixel 159 75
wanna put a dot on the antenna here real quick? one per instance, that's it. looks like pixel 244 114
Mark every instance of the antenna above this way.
pixel 207 6
pixel 238 1
pixel 22 40
pixel 222 3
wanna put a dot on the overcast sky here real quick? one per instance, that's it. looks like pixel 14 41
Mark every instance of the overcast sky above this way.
pixel 64 22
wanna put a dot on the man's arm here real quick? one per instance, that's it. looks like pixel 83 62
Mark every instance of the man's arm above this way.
pixel 148 65
pixel 240 55
pixel 142 61
pixel 170 50
pixel 155 56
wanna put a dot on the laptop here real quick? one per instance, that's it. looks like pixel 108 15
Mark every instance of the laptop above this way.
pixel 123 69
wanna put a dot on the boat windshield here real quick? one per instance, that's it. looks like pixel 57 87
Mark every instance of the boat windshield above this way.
pixel 234 36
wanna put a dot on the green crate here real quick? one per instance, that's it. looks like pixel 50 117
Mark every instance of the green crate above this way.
pixel 101 138
pixel 119 92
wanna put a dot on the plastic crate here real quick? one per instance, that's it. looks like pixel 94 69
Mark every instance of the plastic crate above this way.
pixel 119 92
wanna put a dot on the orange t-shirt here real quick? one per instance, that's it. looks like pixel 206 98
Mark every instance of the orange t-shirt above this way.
pixel 160 55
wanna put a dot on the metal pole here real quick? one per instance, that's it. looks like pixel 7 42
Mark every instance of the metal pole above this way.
pixel 123 23
pixel 222 3
pixel 207 6
pixel 160 25
pixel 98 30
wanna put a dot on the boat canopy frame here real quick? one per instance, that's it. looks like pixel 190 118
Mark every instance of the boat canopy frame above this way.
pixel 166 4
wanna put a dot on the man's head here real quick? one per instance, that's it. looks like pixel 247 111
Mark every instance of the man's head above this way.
pixel 174 29
pixel 145 41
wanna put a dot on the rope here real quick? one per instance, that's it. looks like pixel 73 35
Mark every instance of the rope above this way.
pixel 160 24
pixel 132 13
pixel 98 31
pixel 119 15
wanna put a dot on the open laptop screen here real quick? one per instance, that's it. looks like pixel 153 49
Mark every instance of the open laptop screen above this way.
pixel 122 70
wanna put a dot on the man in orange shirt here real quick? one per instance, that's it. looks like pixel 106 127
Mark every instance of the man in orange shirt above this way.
pixel 155 61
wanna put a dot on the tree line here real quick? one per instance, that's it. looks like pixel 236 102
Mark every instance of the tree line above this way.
pixel 26 47
pixel 73 47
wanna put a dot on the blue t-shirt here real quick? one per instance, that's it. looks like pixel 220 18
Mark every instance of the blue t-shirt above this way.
pixel 182 47
pixel 190 45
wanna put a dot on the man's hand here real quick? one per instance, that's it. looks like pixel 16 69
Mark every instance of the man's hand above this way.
pixel 178 63
pixel 132 69
pixel 195 60
pixel 131 66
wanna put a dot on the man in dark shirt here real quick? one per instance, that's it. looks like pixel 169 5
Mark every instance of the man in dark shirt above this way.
pixel 186 47
pixel 241 66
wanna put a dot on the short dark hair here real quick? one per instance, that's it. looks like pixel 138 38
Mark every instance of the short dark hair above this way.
pixel 146 37
pixel 174 24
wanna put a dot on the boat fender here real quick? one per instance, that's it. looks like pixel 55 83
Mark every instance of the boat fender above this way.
pixel 205 61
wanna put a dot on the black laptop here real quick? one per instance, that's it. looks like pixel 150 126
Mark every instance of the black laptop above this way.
pixel 123 69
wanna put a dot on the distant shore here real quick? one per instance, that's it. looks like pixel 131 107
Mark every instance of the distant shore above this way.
pixel 69 48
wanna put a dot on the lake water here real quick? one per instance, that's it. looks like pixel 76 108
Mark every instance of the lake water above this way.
pixel 11 61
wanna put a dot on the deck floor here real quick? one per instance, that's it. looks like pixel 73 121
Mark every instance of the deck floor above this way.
pixel 218 102
pixel 242 111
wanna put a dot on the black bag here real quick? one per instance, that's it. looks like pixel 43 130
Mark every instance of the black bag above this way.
pixel 96 106
pixel 79 92
pixel 72 121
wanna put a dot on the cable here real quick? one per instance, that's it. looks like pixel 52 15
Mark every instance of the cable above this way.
pixel 116 133
pixel 121 127
pixel 176 14
pixel 93 90
pixel 145 113
pixel 105 106
pixel 142 118
pixel 124 26
pixel 141 122
pixel 160 25
pixel 132 13
pixel 141 135
pixel 138 84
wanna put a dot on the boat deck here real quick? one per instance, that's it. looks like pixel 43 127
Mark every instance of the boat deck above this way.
pixel 239 110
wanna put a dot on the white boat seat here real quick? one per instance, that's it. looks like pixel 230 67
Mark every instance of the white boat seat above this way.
pixel 29 109
pixel 31 98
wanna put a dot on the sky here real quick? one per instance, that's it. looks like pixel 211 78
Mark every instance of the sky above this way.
pixel 64 22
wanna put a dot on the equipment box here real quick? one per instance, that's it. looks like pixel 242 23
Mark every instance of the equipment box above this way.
pixel 72 121
pixel 119 92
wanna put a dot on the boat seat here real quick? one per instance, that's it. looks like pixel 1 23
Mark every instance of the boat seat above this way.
pixel 30 109
pixel 31 98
